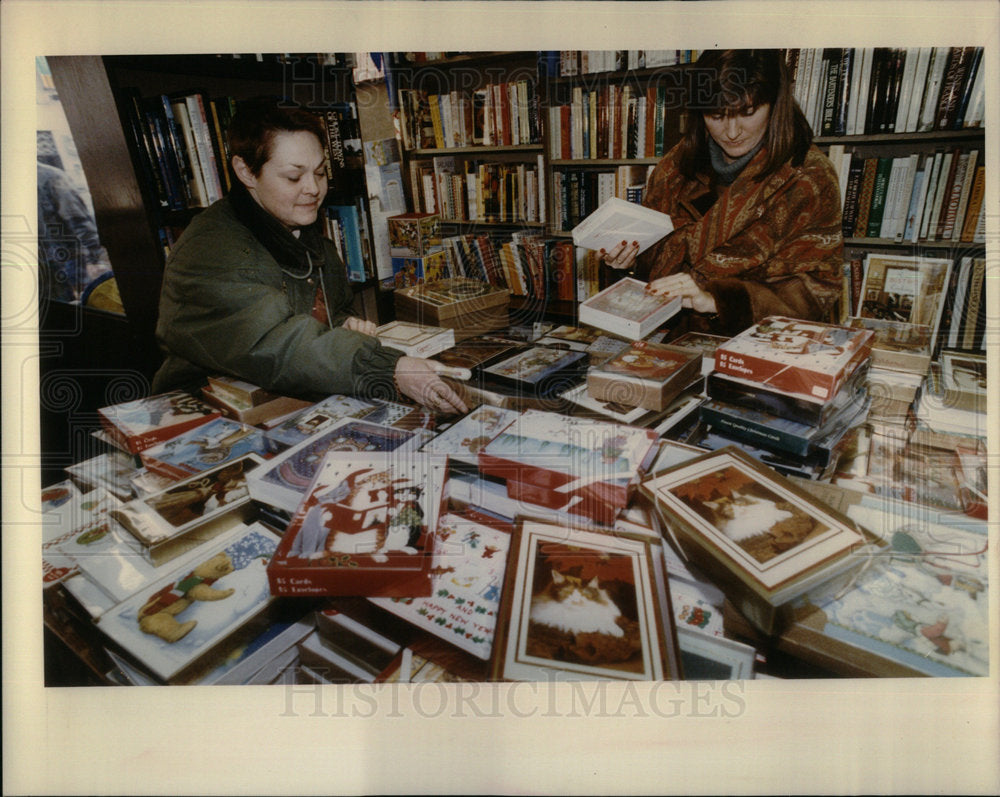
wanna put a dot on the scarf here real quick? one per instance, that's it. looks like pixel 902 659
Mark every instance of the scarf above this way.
pixel 726 173
pixel 297 256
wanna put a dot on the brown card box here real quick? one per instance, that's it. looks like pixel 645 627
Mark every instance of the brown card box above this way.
pixel 467 306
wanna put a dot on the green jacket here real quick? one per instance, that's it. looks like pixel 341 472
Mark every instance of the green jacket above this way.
pixel 227 307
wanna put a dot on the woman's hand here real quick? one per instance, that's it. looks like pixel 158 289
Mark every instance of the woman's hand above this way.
pixel 360 325
pixel 622 256
pixel 418 379
pixel 683 284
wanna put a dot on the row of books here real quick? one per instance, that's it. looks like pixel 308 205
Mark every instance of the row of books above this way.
pixel 579 192
pixel 498 114
pixel 921 197
pixel 473 190
pixel 613 121
pixel 347 227
pixel 872 90
pixel 182 145
pixel 570 63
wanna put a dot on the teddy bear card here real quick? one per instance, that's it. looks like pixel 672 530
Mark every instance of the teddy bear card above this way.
pixel 169 625
pixel 365 527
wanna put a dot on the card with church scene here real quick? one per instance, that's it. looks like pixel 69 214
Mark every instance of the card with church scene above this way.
pixel 364 528
pixel 469 561
pixel 581 605
pixel 174 621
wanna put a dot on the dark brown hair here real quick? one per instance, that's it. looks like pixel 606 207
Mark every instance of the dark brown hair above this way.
pixel 255 123
pixel 731 80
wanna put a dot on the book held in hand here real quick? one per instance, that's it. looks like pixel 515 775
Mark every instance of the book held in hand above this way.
pixel 807 358
pixel 626 308
pixel 618 220
pixel 647 375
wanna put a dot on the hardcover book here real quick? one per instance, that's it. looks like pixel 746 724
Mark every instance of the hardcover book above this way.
pixel 906 289
pixel 283 481
pixel 415 340
pixel 647 375
pixel 618 220
pixel 140 424
pixel 554 460
pixel 469 561
pixel 626 308
pixel 213 443
pixel 759 537
pixel 173 622
pixel 365 528
pixel 803 358
pixel 583 605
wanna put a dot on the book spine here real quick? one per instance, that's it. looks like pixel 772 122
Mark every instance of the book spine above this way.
pixel 951 87
pixel 879 189
pixel 974 208
pixel 954 197
pixel 852 193
pixel 940 190
pixel 923 59
pixel 935 74
pixel 865 197
pixel 963 200
pixel 972 308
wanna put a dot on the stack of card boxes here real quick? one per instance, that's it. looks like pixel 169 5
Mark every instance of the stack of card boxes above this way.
pixel 415 247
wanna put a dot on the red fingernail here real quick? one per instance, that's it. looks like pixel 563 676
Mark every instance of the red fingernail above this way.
pixel 635 243
pixel 603 252
pixel 624 243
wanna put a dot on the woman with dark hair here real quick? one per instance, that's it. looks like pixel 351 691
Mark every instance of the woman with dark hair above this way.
pixel 755 205
pixel 254 290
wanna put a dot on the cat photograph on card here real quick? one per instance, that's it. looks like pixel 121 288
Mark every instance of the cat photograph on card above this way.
pixel 584 608
pixel 747 513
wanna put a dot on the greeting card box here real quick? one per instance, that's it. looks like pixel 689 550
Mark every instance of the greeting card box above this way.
pixel 315 419
pixel 469 561
pixel 897 345
pixel 137 425
pixel 802 358
pixel 412 270
pixel 906 289
pixel 583 605
pixel 260 415
pixel 283 481
pixel 704 344
pixel 365 528
pixel 239 392
pixel 181 617
pixel 470 307
pixel 647 375
pixel 415 340
pixel 626 308
pixel 557 459
pixel 198 508
pixel 463 440
pixel 758 536
pixel 538 371
pixel 617 220
pixel 214 443
pixel 413 234
pixel 963 380
pixel 77 525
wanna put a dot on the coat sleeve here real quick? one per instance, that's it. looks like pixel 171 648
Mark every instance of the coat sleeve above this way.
pixel 791 257
pixel 224 308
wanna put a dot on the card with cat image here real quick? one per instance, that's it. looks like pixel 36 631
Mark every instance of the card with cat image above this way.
pixel 582 605
pixel 762 540
pixel 365 527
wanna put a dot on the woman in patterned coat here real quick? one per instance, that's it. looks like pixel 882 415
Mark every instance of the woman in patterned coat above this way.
pixel 755 205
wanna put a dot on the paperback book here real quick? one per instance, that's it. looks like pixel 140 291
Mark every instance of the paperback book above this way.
pixel 141 424
pixel 647 375
pixel 365 528
pixel 802 358
pixel 626 308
